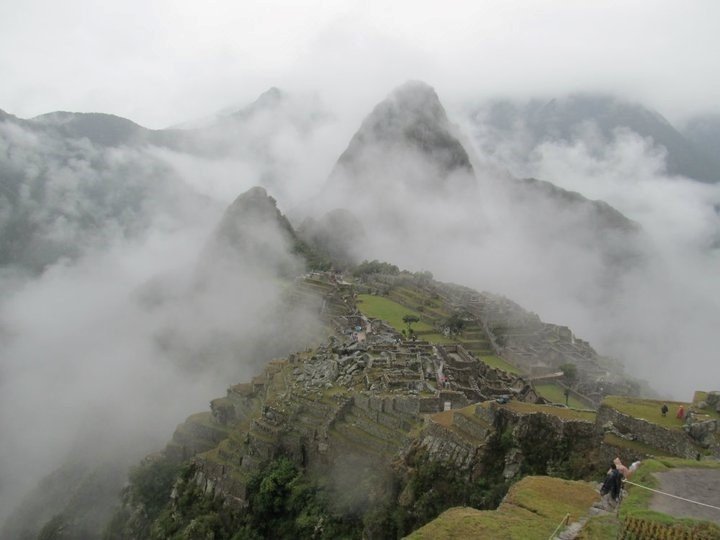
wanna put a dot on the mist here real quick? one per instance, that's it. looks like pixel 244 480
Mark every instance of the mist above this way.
pixel 649 299
pixel 140 318
pixel 118 318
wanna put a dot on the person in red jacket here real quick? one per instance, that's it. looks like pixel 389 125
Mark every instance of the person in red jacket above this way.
pixel 680 413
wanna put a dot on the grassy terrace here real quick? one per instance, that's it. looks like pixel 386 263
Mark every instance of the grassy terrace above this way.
pixel 636 506
pixel 497 362
pixel 648 409
pixel 560 412
pixel 641 448
pixel 379 307
pixel 532 509
pixel 556 394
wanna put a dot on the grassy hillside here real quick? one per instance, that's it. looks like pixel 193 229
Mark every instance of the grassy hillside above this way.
pixel 407 301
pixel 556 394
pixel 648 409
pixel 379 307
pixel 636 519
pixel 532 509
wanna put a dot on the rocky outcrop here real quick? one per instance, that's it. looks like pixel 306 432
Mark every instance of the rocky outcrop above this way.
pixel 529 439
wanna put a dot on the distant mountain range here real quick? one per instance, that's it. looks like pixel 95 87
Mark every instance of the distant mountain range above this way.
pixel 70 182
pixel 63 183
pixel 691 152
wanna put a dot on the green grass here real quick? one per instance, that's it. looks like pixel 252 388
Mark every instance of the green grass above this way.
pixel 641 448
pixel 600 528
pixel 648 409
pixel 497 362
pixel 556 394
pixel 532 509
pixel 560 412
pixel 380 307
pixel 637 502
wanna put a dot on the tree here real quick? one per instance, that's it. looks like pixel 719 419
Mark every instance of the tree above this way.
pixel 455 324
pixel 569 373
pixel 367 268
pixel 410 320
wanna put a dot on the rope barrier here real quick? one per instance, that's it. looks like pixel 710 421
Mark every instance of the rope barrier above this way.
pixel 563 522
pixel 671 495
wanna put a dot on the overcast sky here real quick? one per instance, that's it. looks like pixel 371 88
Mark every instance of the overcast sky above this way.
pixel 162 62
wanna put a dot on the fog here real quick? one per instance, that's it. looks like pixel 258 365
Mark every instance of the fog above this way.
pixel 655 314
pixel 115 345
pixel 662 315
pixel 107 340
pixel 184 60
pixel 145 316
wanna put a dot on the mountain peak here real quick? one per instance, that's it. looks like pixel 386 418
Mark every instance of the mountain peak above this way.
pixel 253 235
pixel 418 97
pixel 410 119
pixel 267 101
pixel 251 205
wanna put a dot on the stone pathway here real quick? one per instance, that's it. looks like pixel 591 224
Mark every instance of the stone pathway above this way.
pixel 573 529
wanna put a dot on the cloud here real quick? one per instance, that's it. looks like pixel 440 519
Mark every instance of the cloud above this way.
pixel 114 334
pixel 181 60
pixel 114 343
pixel 663 313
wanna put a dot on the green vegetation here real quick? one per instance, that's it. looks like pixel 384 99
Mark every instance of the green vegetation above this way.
pixel 497 362
pixel 600 528
pixel 433 487
pixel 560 412
pixel 569 373
pixel 635 510
pixel 533 509
pixel 648 409
pixel 555 393
pixel 379 307
pixel 455 324
pixel 151 484
pixel 367 268
pixel 395 314
pixel 282 503
pixel 314 259
pixel 409 320
pixel 638 447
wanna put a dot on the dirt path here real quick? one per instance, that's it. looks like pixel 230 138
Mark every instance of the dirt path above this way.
pixel 701 485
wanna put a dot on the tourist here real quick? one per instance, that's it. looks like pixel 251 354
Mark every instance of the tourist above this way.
pixel 664 409
pixel 622 469
pixel 680 413
pixel 612 485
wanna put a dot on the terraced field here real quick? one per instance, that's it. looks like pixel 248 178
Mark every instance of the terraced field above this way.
pixel 432 313
pixel 533 509
pixel 556 394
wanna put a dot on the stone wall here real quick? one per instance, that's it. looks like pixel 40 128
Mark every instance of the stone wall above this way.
pixel 675 442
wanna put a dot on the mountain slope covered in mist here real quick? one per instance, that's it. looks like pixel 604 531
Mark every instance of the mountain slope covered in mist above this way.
pixel 71 181
pixel 411 119
pixel 597 118
pixel 205 308
pixel 65 188
pixel 254 235
pixel 405 171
